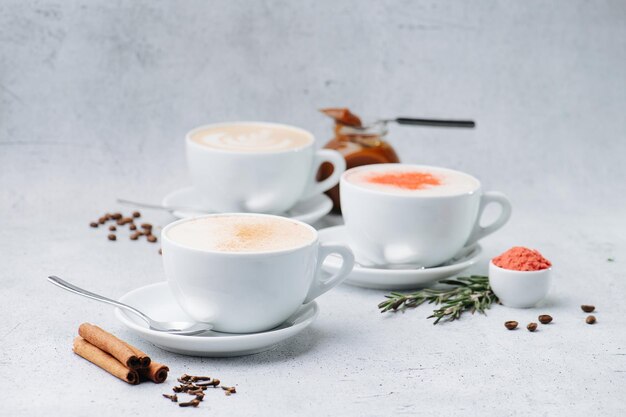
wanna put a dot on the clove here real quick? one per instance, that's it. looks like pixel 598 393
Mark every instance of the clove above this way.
pixel 173 398
pixel 192 403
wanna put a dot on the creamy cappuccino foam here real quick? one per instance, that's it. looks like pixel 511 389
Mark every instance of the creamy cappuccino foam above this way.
pixel 413 180
pixel 251 137
pixel 241 234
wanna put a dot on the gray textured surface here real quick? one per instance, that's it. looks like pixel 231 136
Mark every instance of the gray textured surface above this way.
pixel 96 96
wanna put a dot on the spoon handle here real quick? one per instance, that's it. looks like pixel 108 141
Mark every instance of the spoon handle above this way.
pixel 145 205
pixel 76 290
pixel 435 122
pixel 160 206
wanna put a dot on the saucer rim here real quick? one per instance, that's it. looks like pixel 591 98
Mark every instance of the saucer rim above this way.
pixel 401 272
pixel 326 206
pixel 126 321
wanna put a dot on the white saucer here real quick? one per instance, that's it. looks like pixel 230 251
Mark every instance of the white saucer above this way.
pixel 308 211
pixel 157 302
pixel 397 278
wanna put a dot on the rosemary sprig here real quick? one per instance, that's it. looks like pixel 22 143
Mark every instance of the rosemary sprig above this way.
pixel 471 293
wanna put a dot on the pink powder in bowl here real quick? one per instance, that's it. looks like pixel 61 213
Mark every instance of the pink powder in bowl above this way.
pixel 519 258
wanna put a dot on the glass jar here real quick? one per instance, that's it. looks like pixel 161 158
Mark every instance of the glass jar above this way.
pixel 359 146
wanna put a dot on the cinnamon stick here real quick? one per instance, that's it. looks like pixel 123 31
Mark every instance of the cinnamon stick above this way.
pixel 105 361
pixel 156 372
pixel 144 359
pixel 107 342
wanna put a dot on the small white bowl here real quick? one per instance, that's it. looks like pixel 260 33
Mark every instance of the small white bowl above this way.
pixel 519 289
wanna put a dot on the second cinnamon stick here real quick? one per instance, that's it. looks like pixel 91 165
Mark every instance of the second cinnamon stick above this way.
pixel 110 344
pixel 105 361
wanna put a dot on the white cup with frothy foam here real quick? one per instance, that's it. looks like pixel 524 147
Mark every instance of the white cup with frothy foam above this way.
pixel 257 167
pixel 246 272
pixel 413 214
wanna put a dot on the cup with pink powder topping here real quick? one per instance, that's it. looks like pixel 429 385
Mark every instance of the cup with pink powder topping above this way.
pixel 520 277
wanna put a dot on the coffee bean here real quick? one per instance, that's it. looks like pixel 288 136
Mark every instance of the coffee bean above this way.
pixel 146 226
pixel 136 214
pixel 151 238
pixel 544 319
pixel 587 308
pixel 112 236
pixel 93 224
pixel 116 216
pixel 135 236
pixel 127 220
pixel 511 324
pixel 112 228
pixel 590 319
pixel 532 327
pixel 120 222
pixel 132 226
pixel 102 220
pixel 107 216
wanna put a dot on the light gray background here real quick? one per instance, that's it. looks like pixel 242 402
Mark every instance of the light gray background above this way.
pixel 95 98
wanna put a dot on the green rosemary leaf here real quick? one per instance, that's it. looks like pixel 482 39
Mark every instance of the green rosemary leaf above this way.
pixel 471 294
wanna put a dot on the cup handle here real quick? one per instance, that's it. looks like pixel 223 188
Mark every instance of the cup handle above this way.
pixel 339 166
pixel 319 285
pixel 480 232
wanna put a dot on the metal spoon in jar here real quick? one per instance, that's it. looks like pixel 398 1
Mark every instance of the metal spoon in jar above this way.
pixel 431 122
pixel 174 327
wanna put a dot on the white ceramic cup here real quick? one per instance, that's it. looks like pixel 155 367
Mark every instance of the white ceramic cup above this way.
pixel 519 289
pixel 259 182
pixel 386 228
pixel 245 292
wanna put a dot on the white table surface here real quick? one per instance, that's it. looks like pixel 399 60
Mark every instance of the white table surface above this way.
pixel 95 99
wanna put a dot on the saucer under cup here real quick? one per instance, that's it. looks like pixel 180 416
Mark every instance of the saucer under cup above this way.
pixel 245 292
pixel 255 173
pixel 157 301
pixel 425 229
pixel 396 277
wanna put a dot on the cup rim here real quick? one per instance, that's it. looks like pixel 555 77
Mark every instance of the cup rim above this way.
pixel 255 153
pixel 344 181
pixel 166 238
pixel 516 272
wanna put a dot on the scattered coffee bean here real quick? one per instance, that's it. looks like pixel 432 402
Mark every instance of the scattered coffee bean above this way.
pixel 93 224
pixel 112 237
pixel 136 214
pixel 192 403
pixel 151 238
pixel 146 226
pixel 511 324
pixel 135 236
pixel 545 319
pixel 532 327
pixel 590 320
pixel 116 216
pixel 587 308
pixel 107 216
pixel 112 228
pixel 102 220
pixel 132 227
pixel 127 220
pixel 120 222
